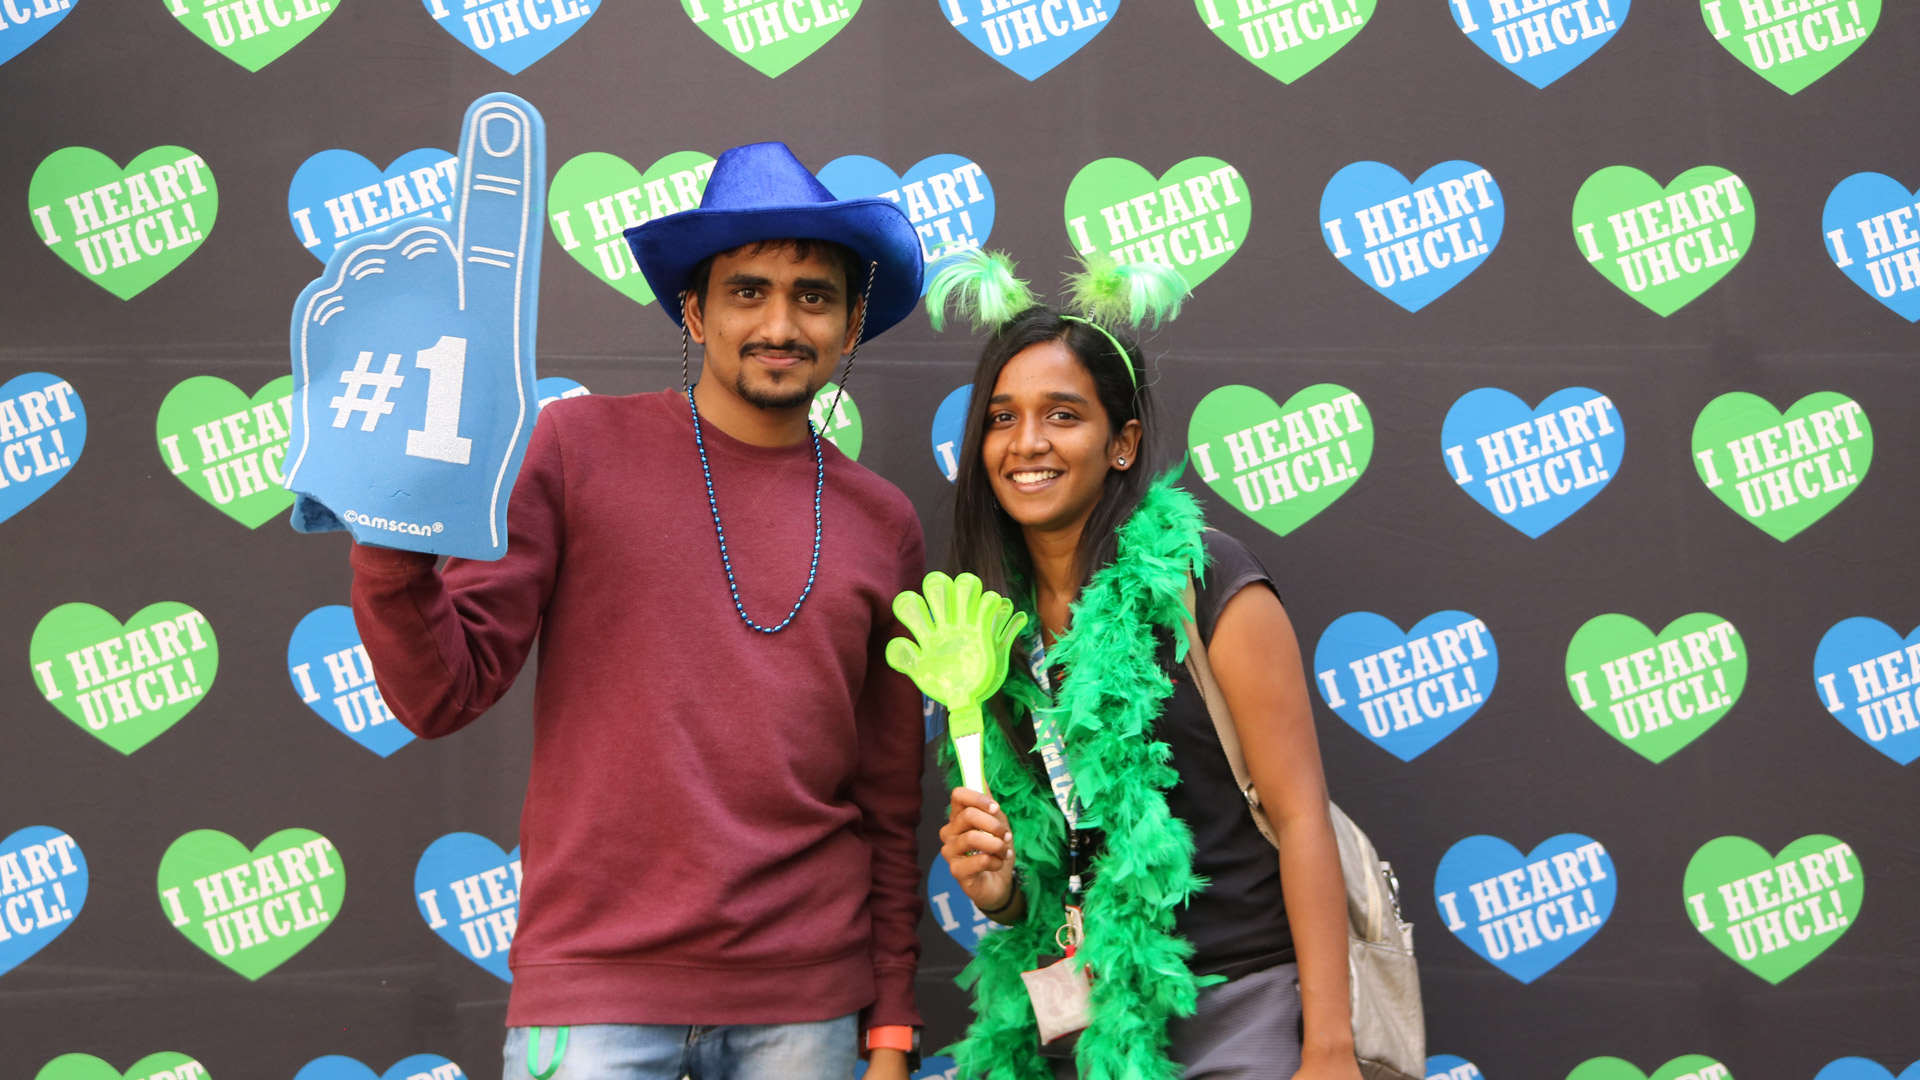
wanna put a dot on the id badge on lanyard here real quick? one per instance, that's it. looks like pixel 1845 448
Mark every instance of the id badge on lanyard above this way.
pixel 1061 990
pixel 1049 740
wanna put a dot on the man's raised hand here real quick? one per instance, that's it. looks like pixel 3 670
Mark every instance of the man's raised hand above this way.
pixel 413 357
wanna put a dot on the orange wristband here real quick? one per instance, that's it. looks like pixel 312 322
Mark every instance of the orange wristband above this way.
pixel 890 1037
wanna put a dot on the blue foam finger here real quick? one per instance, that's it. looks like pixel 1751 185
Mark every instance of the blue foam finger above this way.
pixel 413 357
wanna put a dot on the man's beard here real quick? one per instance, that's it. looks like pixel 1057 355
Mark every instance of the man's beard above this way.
pixel 782 395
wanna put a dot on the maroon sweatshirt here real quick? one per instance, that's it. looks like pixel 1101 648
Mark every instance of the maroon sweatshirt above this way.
pixel 719 825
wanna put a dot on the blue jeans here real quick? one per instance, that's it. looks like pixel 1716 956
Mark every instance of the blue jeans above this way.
pixel 821 1050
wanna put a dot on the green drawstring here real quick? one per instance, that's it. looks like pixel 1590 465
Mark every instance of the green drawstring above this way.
pixel 533 1053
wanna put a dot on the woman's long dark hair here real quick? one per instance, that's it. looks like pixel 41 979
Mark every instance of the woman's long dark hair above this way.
pixel 986 541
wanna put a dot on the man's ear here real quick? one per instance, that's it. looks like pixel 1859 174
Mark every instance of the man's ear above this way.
pixel 696 319
pixel 856 313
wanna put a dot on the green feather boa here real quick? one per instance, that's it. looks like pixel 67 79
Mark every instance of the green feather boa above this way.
pixel 1113 694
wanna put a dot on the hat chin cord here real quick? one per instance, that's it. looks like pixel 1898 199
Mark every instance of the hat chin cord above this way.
pixel 873 270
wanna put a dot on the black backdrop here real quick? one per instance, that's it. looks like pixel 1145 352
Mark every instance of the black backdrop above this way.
pixel 898 84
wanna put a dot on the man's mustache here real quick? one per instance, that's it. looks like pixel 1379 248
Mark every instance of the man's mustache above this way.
pixel 796 348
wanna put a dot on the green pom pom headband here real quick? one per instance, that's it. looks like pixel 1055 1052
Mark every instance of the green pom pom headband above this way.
pixel 983 287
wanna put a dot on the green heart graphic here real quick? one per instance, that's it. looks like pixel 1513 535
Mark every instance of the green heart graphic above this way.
pixel 1194 217
pixel 1285 41
pixel 1656 694
pixel 1663 246
pixel 1782 473
pixel 1774 913
pixel 1280 464
pixel 1786 45
pixel 166 1065
pixel 123 228
pixel 228 449
pixel 1689 1067
pixel 596 197
pixel 771 35
pixel 252 910
pixel 124 684
pixel 252 35
pixel 846 431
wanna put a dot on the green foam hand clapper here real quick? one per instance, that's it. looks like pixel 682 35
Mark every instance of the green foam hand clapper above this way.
pixel 958 655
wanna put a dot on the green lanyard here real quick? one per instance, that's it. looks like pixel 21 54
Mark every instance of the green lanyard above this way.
pixel 533 1053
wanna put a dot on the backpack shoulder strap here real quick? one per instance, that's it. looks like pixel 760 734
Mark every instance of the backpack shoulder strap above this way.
pixel 1202 673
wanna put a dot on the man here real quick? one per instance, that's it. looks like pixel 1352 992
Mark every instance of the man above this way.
pixel 718 835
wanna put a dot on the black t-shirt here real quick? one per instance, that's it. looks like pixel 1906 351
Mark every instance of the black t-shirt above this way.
pixel 1238 923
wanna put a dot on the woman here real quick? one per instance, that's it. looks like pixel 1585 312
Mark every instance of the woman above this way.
pixel 1061 504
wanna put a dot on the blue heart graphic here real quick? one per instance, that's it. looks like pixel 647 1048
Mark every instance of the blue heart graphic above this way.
pixel 39 17
pixel 468 891
pixel 1525 914
pixel 1029 37
pixel 1869 679
pixel 1406 691
pixel 1532 468
pixel 417 1067
pixel 334 677
pixel 950 430
pixel 43 886
pixel 413 357
pixel 337 194
pixel 947 197
pixel 953 911
pixel 554 387
pixel 1873 236
pixel 512 35
pixel 1412 241
pixel 43 428
pixel 1450 1067
pixel 1859 1068
pixel 1540 45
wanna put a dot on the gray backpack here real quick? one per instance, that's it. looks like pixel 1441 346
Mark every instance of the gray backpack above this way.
pixel 1389 1026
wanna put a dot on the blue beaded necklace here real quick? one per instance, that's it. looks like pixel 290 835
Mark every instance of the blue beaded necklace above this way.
pixel 726 563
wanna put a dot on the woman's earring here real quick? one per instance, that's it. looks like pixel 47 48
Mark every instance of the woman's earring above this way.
pixel 1122 463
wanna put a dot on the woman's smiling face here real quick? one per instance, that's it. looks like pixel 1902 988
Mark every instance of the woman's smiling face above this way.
pixel 1049 441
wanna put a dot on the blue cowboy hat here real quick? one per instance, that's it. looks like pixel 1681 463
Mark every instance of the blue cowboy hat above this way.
pixel 762 192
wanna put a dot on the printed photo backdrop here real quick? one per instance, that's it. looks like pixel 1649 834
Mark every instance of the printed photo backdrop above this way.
pixel 1636 724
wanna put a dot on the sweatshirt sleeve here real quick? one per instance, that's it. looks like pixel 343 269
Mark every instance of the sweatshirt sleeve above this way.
pixel 887 790
pixel 447 644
